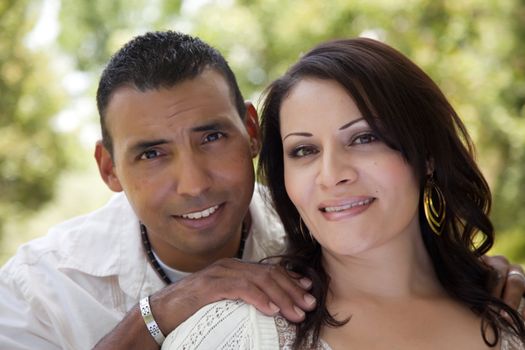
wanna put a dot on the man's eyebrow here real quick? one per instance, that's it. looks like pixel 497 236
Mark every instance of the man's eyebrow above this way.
pixel 213 126
pixel 142 145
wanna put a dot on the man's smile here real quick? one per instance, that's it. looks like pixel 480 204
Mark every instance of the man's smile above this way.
pixel 200 214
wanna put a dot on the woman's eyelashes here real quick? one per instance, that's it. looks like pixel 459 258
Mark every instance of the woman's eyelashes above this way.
pixel 359 139
pixel 363 138
pixel 302 151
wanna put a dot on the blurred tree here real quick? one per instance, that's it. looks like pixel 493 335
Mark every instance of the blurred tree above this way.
pixel 97 28
pixel 509 129
pixel 31 153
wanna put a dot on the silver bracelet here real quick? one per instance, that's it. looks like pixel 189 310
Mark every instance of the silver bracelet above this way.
pixel 150 322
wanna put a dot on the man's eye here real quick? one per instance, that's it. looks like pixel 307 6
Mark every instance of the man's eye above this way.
pixel 150 154
pixel 364 138
pixel 213 137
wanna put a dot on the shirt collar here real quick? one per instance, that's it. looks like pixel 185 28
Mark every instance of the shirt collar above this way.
pixel 107 242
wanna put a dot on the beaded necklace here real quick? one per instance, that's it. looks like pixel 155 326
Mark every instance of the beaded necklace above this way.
pixel 155 264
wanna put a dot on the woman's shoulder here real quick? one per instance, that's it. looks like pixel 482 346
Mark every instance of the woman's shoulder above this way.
pixel 226 324
pixel 511 342
pixel 287 333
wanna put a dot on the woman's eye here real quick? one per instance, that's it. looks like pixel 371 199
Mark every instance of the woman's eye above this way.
pixel 364 138
pixel 150 154
pixel 213 137
pixel 302 152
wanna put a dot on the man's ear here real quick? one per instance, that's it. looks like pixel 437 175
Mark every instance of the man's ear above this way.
pixel 251 121
pixel 106 167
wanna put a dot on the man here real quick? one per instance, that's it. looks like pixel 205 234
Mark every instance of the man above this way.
pixel 178 140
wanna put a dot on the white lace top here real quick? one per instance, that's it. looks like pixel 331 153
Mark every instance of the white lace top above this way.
pixel 234 325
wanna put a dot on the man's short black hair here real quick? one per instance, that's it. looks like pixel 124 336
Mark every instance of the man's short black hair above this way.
pixel 156 60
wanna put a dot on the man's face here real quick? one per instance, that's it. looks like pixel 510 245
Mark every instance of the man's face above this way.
pixel 183 157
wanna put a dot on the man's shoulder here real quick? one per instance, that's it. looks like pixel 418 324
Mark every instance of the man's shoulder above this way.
pixel 263 213
pixel 266 233
pixel 63 241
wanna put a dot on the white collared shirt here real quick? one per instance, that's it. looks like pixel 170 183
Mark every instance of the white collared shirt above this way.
pixel 71 287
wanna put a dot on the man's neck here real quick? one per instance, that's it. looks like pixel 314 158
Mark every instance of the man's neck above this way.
pixel 197 260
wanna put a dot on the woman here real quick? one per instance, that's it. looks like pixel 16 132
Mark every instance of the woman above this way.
pixel 371 171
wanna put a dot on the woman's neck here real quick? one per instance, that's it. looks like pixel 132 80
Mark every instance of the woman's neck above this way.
pixel 399 268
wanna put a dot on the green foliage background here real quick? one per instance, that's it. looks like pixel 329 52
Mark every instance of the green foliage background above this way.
pixel 474 49
pixel 31 153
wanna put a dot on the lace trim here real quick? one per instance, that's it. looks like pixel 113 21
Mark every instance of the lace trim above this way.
pixel 510 342
pixel 237 340
pixel 211 319
pixel 286 333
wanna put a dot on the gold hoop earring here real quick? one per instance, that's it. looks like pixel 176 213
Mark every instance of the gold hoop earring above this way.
pixel 301 230
pixel 434 206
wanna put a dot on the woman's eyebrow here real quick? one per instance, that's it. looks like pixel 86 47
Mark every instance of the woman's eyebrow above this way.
pixel 305 134
pixel 349 124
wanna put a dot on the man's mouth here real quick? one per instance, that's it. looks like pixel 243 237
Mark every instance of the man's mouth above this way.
pixel 200 214
pixel 347 206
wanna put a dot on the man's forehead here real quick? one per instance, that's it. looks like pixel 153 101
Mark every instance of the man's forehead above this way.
pixel 209 88
pixel 138 117
pixel 205 94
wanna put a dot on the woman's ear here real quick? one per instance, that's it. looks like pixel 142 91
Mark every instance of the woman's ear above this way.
pixel 251 122
pixel 106 167
pixel 430 166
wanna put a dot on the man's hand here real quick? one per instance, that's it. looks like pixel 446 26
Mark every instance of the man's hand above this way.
pixel 268 287
pixel 510 285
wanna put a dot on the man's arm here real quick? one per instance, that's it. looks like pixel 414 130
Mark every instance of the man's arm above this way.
pixel 267 287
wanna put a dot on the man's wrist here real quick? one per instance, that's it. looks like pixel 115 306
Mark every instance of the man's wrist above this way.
pixel 149 320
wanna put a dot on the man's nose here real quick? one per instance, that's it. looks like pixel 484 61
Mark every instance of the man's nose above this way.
pixel 192 176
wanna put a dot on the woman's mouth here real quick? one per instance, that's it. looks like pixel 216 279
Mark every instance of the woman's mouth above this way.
pixel 334 209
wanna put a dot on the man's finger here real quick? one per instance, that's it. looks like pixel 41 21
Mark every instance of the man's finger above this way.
pixel 514 287
pixel 500 265
pixel 286 292
pixel 268 287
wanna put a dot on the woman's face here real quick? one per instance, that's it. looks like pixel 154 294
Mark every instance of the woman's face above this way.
pixel 353 191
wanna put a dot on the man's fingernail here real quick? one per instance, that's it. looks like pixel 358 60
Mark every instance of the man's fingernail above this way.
pixel 298 311
pixel 305 283
pixel 309 299
pixel 275 309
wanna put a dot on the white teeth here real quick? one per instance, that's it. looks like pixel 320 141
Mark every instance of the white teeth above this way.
pixel 347 206
pixel 201 214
